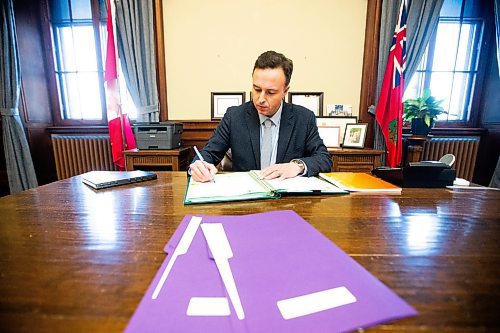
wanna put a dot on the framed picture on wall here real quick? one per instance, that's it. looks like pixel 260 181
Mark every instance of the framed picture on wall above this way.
pixel 341 122
pixel 354 136
pixel 311 100
pixel 330 136
pixel 221 101
pixel 338 110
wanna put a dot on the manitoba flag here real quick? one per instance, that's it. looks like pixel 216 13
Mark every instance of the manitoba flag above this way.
pixel 120 132
pixel 389 113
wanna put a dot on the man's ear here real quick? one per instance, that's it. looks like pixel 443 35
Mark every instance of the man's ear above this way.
pixel 286 89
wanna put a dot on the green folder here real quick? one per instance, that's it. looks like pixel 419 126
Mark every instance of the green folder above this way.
pixel 238 186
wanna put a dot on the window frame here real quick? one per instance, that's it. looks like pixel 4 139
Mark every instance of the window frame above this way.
pixel 57 109
pixel 479 56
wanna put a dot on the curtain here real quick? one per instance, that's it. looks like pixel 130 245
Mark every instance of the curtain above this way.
pixel 134 25
pixel 423 16
pixel 20 170
pixel 497 30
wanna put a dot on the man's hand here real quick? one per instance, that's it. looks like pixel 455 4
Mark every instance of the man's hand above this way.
pixel 282 171
pixel 202 171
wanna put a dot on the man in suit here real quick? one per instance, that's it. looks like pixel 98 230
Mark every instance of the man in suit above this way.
pixel 279 138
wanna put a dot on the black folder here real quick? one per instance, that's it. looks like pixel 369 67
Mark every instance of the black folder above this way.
pixel 103 179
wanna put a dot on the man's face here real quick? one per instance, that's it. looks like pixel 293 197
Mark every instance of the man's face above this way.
pixel 268 90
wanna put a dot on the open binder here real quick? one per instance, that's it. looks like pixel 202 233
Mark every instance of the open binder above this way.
pixel 238 186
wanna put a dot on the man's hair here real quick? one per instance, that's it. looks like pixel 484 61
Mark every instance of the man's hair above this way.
pixel 271 59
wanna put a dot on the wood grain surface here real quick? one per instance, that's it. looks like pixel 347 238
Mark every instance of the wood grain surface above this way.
pixel 76 260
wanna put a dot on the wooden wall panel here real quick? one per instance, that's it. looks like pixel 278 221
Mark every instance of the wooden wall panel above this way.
pixel 197 133
pixel 370 67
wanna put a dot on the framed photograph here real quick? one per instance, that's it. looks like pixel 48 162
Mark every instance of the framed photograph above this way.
pixel 354 136
pixel 311 100
pixel 338 110
pixel 336 121
pixel 223 100
pixel 330 136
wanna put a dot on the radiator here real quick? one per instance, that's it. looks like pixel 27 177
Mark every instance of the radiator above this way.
pixel 77 154
pixel 464 148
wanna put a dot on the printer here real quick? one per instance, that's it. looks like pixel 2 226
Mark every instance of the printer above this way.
pixel 161 135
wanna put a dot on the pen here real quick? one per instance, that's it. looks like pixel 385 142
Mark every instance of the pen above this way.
pixel 202 160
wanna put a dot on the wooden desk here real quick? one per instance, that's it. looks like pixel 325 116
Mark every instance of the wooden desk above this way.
pixel 355 160
pixel 172 159
pixel 76 260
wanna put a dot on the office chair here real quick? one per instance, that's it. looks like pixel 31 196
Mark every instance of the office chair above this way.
pixel 227 162
pixel 448 159
pixel 495 179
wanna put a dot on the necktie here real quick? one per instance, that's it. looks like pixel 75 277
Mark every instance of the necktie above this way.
pixel 267 145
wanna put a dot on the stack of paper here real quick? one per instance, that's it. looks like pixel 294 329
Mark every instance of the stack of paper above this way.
pixel 360 182
pixel 271 272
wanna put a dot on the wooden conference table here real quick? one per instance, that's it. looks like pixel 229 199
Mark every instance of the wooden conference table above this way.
pixel 76 260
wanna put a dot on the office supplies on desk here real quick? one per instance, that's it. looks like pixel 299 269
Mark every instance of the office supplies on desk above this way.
pixel 202 161
pixel 425 174
pixel 360 182
pixel 181 249
pixel 104 179
pixel 221 251
pixel 237 186
pixel 290 278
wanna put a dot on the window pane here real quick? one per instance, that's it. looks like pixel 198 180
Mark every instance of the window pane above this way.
pixel 454 52
pixel 59 11
pixel 84 46
pixel 465 48
pixel 66 54
pixel 440 87
pixel 451 8
pixel 83 99
pixel 81 9
pixel 458 98
pixel 72 97
pixel 453 89
pixel 415 87
pixel 473 8
pixel 90 98
pixel 446 46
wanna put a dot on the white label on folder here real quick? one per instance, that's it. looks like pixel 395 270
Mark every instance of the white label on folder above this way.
pixel 208 306
pixel 311 303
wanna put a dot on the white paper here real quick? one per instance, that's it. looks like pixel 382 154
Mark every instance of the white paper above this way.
pixel 304 184
pixel 312 303
pixel 225 185
pixel 208 306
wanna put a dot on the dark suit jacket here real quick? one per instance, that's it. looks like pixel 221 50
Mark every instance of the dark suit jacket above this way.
pixel 239 130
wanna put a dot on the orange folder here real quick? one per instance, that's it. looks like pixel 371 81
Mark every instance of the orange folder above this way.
pixel 359 182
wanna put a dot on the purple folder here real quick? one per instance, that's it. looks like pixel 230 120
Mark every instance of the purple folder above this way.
pixel 276 255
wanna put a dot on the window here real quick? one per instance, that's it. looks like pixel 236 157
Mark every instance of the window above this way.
pixel 450 63
pixel 79 39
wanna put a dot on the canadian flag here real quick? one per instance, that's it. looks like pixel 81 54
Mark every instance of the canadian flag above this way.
pixel 120 131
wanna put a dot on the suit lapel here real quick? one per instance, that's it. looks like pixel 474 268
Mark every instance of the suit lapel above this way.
pixel 286 128
pixel 253 125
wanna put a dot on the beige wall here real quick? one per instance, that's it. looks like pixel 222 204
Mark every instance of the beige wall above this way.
pixel 211 46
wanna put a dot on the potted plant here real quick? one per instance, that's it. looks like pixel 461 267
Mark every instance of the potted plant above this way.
pixel 422 112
